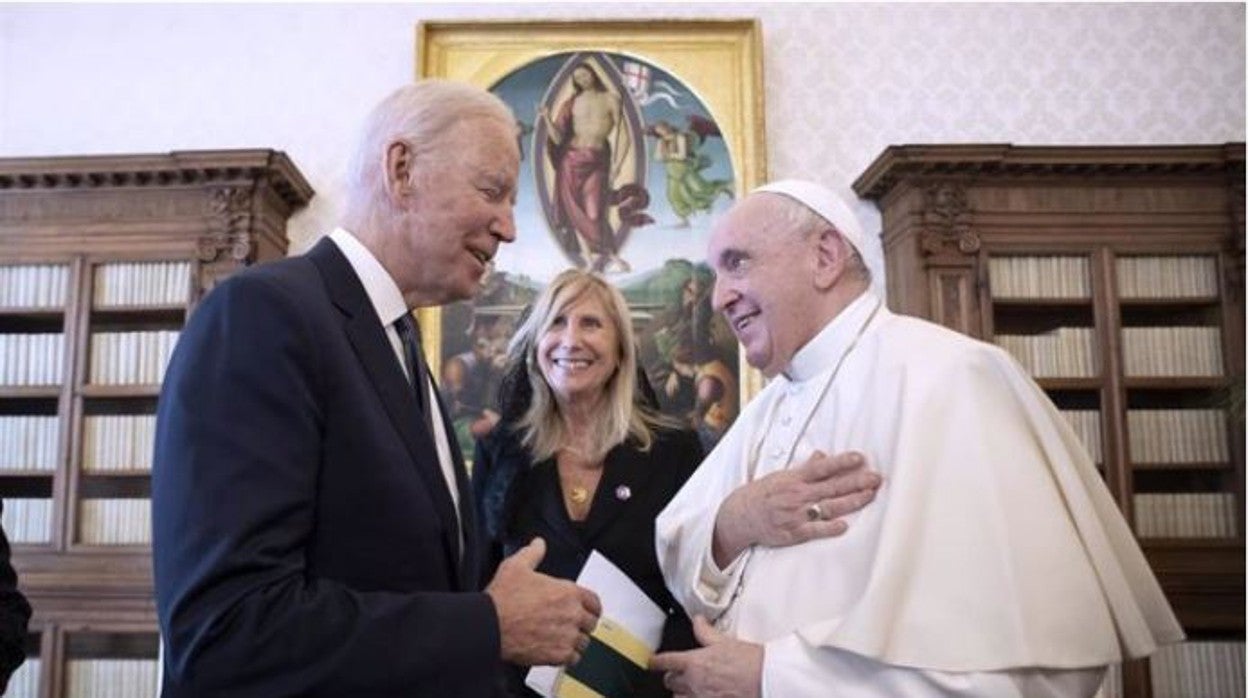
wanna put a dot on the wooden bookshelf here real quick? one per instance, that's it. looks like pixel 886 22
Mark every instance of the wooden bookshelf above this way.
pixel 1116 274
pixel 102 259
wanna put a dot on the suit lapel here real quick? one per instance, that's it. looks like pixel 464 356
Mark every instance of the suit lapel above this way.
pixel 368 339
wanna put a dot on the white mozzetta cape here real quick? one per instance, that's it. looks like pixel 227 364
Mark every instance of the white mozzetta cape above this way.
pixel 993 544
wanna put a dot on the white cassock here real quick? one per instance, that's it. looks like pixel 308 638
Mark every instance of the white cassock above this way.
pixel 992 563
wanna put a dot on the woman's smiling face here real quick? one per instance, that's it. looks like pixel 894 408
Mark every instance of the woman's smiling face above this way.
pixel 579 352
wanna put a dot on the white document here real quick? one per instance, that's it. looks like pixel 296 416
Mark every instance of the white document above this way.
pixel 624 607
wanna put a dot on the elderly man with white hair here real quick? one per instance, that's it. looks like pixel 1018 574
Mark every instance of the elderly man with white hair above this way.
pixel 313 527
pixel 993 561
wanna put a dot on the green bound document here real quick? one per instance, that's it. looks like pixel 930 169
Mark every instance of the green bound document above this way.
pixel 628 632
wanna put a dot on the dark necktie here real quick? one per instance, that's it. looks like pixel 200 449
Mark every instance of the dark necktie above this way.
pixel 409 334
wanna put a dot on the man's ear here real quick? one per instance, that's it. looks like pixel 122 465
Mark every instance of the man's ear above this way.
pixel 831 258
pixel 399 164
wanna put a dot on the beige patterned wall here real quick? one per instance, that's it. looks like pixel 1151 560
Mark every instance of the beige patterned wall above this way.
pixel 842 80
pixel 872 75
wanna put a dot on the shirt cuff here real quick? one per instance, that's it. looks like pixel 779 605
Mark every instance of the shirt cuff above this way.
pixel 715 587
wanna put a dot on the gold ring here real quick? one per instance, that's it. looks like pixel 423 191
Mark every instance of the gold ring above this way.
pixel 814 512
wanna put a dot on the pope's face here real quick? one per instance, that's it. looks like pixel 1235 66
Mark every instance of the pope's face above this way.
pixel 761 284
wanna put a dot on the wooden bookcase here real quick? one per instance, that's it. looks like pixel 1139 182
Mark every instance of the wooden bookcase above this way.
pixel 1116 275
pixel 101 260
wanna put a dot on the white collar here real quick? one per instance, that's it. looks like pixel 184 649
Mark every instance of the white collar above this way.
pixel 836 338
pixel 381 289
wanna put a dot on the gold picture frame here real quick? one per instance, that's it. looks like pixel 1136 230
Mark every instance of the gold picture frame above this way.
pixel 716 63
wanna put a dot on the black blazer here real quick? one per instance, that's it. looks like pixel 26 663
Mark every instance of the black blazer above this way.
pixel 521 500
pixel 304 540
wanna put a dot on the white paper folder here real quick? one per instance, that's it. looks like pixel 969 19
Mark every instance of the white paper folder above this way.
pixel 628 633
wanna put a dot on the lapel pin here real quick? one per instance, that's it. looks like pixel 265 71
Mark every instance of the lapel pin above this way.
pixel 623 493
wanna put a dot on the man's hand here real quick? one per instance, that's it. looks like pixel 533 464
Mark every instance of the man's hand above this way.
pixel 542 620
pixel 722 668
pixel 794 505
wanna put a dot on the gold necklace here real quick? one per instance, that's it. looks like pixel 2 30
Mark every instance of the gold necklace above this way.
pixel 576 467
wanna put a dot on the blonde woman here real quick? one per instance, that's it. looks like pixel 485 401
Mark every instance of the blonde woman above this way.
pixel 582 457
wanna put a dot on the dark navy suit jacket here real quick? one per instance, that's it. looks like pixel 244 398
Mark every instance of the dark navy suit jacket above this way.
pixel 304 540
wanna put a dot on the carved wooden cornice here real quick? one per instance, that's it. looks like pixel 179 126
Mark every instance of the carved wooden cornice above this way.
pixel 946 221
pixel 1001 160
pixel 179 168
pixel 231 225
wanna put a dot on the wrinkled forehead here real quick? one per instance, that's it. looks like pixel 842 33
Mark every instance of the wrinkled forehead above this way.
pixel 755 222
pixel 480 138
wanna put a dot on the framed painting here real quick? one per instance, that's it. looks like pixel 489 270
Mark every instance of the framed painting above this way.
pixel 634 137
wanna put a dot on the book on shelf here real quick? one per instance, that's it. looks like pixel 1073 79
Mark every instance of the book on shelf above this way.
pixel 28 443
pixel 115 521
pixel 1172 351
pixel 1185 515
pixel 27 520
pixel 118 442
pixel 1039 276
pixel 1066 352
pixel 1167 277
pixel 1192 669
pixel 140 284
pixel 1178 436
pixel 37 286
pixel 32 358
pixel 112 678
pixel 24 683
pixel 130 358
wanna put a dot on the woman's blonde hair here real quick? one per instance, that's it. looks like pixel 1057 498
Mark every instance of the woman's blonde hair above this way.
pixel 623 415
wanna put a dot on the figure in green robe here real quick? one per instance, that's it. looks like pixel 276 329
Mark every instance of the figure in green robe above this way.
pixel 688 192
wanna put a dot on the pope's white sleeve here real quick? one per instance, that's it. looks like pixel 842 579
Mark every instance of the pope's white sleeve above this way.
pixel 685 531
pixel 684 539
pixel 716 587
pixel 791 667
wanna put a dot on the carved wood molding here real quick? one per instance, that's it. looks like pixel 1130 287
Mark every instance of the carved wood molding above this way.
pixel 230 232
pixel 179 168
pixel 900 163
pixel 946 221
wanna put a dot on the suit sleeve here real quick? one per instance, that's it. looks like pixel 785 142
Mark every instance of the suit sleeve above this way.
pixel 234 488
